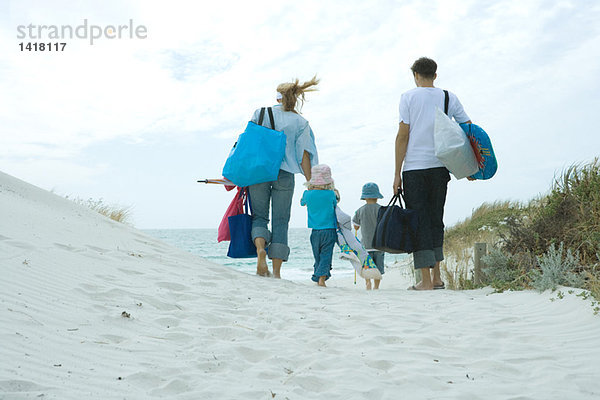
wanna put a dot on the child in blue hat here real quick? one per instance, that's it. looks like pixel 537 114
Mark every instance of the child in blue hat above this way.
pixel 365 219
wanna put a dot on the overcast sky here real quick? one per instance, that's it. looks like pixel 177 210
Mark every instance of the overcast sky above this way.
pixel 137 121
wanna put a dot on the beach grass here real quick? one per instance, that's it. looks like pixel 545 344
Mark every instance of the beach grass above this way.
pixel 552 240
pixel 487 224
pixel 115 212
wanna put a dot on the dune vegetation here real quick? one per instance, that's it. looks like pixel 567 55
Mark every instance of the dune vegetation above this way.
pixel 114 212
pixel 551 241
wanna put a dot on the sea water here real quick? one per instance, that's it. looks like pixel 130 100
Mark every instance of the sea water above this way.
pixel 299 266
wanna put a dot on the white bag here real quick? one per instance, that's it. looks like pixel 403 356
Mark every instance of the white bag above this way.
pixel 452 147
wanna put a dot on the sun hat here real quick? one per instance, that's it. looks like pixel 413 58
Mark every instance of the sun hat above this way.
pixel 320 175
pixel 370 191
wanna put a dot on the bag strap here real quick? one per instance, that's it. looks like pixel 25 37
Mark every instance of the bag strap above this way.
pixel 271 118
pixel 400 200
pixel 387 210
pixel 446 101
pixel 393 200
pixel 245 193
pixel 385 219
pixel 262 116
pixel 397 197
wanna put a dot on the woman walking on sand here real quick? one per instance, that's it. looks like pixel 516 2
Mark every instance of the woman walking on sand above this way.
pixel 300 156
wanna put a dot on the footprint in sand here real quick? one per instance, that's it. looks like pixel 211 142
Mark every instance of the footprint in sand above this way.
pixel 383 365
pixel 97 249
pixel 113 338
pixel 68 248
pixel 130 271
pixel 167 322
pixel 173 286
pixel 19 386
pixel 143 379
pixel 253 355
pixel 20 245
pixel 227 333
pixel 175 387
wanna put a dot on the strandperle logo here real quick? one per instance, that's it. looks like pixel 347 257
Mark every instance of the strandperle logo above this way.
pixel 83 31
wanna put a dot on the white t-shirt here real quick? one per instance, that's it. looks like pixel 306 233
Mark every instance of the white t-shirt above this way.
pixel 417 109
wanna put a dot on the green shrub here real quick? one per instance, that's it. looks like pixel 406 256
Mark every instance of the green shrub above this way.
pixel 553 240
pixel 569 214
pixel 487 224
pixel 505 271
pixel 557 268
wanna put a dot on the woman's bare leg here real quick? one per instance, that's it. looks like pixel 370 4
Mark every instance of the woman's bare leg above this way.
pixel 277 267
pixel 262 268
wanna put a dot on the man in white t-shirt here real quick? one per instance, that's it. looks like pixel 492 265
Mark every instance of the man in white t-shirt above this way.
pixel 418 171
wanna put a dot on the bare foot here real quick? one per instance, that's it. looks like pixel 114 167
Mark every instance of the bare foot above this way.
pixel 322 281
pixel 368 283
pixel 262 268
pixel 377 282
pixel 277 267
pixel 422 286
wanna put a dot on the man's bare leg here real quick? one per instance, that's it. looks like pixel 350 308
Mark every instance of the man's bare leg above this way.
pixel 277 267
pixel 262 268
pixel 377 282
pixel 368 283
pixel 425 283
pixel 436 280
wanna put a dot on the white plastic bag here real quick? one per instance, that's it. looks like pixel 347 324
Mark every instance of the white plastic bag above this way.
pixel 452 147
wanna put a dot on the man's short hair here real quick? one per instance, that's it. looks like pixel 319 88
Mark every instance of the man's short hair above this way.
pixel 425 67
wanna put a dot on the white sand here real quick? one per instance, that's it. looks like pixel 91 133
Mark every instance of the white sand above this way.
pixel 201 331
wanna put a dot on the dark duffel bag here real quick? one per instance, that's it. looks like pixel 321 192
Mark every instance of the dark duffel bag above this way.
pixel 396 230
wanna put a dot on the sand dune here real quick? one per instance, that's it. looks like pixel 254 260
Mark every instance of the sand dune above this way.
pixel 93 309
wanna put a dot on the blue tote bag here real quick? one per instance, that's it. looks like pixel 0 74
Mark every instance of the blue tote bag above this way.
pixel 240 228
pixel 257 155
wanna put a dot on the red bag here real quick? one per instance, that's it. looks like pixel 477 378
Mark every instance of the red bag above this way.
pixel 235 208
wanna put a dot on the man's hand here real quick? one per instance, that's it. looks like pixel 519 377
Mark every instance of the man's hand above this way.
pixel 397 184
pixel 400 153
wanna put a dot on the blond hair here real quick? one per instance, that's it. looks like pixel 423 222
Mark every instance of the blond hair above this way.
pixel 327 186
pixel 292 92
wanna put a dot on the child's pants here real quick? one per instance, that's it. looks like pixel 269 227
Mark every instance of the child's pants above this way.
pixel 378 257
pixel 322 241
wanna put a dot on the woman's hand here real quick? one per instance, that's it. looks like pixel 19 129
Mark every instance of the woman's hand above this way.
pixel 305 165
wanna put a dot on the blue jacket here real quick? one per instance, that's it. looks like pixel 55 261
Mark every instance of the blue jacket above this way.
pixel 321 208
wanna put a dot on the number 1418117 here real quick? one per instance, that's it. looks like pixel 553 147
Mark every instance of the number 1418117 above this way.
pixel 35 46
